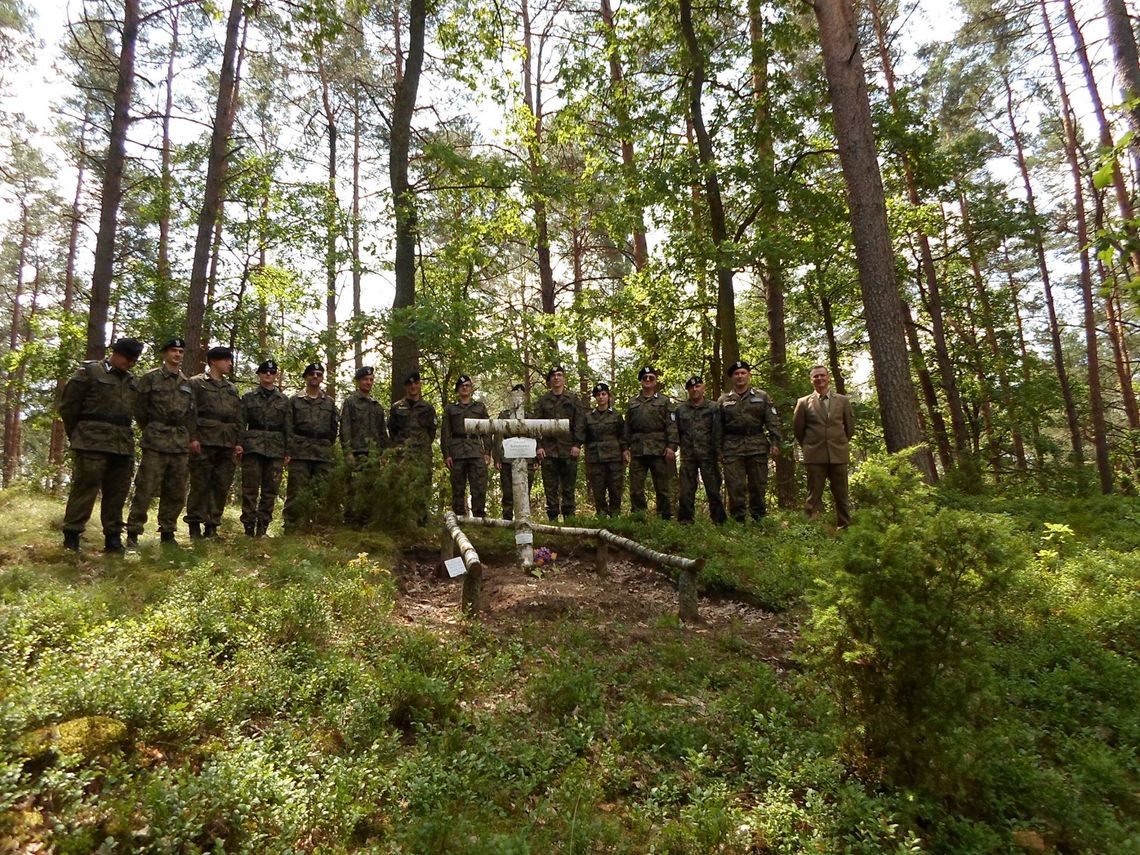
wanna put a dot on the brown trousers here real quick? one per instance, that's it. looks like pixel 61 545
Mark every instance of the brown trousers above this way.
pixel 836 473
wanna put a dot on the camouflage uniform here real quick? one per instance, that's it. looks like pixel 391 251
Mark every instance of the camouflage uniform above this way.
pixel 699 427
pixel 650 429
pixel 466 452
pixel 560 469
pixel 310 431
pixel 218 413
pixel 750 426
pixel 96 408
pixel 362 425
pixel 165 413
pixel 412 426
pixel 605 470
pixel 262 439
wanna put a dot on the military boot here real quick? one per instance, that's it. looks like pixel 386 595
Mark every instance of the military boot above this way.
pixel 250 529
pixel 261 529
pixel 132 540
pixel 167 537
pixel 195 531
pixel 211 530
pixel 113 543
pixel 71 540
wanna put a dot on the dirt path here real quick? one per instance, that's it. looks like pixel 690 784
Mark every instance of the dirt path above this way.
pixel 633 595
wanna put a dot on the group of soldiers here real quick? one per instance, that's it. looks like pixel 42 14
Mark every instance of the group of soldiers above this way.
pixel 734 434
pixel 195 432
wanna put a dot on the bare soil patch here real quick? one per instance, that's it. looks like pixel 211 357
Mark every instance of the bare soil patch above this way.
pixel 631 600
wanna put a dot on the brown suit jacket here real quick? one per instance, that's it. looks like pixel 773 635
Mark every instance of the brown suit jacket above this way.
pixel 824 436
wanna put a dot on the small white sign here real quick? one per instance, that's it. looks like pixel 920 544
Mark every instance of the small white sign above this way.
pixel 523 538
pixel 455 566
pixel 515 447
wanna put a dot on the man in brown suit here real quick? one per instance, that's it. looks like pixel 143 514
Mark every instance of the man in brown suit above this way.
pixel 824 424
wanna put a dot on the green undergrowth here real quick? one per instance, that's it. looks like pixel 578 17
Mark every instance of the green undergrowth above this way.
pixel 268 695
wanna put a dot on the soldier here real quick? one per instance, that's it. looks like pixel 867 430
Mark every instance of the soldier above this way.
pixel 699 427
pixel 824 423
pixel 262 438
pixel 96 408
pixel 751 427
pixel 605 450
pixel 651 440
pixel 165 413
pixel 412 426
pixel 214 449
pixel 362 418
pixel 558 455
pixel 466 456
pixel 506 477
pixel 310 431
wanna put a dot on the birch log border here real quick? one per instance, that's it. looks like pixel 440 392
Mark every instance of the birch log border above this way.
pixel 687 568
pixel 473 580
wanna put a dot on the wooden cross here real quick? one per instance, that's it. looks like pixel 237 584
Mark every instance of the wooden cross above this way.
pixel 520 426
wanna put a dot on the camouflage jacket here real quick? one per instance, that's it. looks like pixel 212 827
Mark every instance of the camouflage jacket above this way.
pixel 263 414
pixel 750 423
pixel 310 427
pixel 412 423
pixel 96 409
pixel 650 426
pixel 217 410
pixel 362 424
pixel 456 443
pixel 564 406
pixel 165 411
pixel 605 436
pixel 699 427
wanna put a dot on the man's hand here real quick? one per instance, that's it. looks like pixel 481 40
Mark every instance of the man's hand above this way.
pixel 541 455
pixel 238 451
pixel 775 452
pixel 670 455
pixel 575 451
pixel 626 456
pixel 448 462
pixel 195 447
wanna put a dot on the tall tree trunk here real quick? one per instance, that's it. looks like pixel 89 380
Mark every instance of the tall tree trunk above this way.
pixel 847 87
pixel 1123 40
pixel 1022 348
pixel 160 310
pixel 405 346
pixel 926 383
pixel 725 297
pixel 1046 284
pixel 357 267
pixel 11 392
pixel 332 222
pixel 946 374
pixel 620 107
pixel 1123 199
pixel 769 222
pixel 1092 355
pixel 104 269
pixel 532 96
pixel 216 167
pixel 578 237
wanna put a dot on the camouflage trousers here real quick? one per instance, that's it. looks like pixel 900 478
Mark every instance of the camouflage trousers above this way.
pixel 164 475
pixel 260 484
pixel 607 482
pixel 746 480
pixel 469 471
pixel 708 471
pixel 661 470
pixel 211 476
pixel 559 480
pixel 94 473
pixel 306 479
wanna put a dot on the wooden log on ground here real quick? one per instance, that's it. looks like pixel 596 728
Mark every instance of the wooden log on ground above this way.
pixel 473 581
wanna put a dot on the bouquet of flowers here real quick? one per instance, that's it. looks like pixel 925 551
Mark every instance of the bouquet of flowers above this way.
pixel 543 557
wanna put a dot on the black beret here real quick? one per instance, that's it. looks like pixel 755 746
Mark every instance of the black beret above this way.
pixel 413 377
pixel 554 369
pixel 647 370
pixel 313 368
pixel 267 367
pixel 736 366
pixel 461 379
pixel 131 347
pixel 518 387
pixel 599 388
pixel 361 373
pixel 219 352
pixel 693 381
pixel 174 342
